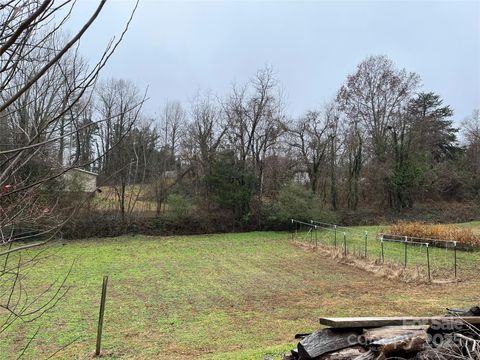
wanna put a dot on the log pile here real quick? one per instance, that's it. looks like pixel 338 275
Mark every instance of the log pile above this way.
pixel 456 336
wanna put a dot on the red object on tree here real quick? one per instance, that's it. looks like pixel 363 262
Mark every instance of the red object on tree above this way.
pixel 7 188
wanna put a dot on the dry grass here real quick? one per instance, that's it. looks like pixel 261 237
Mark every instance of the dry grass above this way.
pixel 135 199
pixel 436 231
pixel 387 270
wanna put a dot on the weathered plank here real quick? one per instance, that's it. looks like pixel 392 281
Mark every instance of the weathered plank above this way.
pixel 325 341
pixel 366 322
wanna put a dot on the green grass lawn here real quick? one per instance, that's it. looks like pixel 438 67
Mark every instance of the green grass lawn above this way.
pixel 228 296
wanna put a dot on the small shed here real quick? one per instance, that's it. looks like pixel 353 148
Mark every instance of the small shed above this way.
pixel 79 180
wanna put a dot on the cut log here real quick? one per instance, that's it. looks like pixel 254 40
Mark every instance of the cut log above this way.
pixel 326 341
pixel 474 311
pixel 387 341
pixel 448 349
pixel 370 355
pixel 371 335
pixel 345 354
pixel 366 322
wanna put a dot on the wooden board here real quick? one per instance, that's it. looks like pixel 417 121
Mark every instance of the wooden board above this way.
pixel 366 322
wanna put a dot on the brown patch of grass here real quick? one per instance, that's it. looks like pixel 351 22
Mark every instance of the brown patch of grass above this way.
pixel 436 231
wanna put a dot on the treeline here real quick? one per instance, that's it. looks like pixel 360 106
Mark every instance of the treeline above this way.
pixel 238 160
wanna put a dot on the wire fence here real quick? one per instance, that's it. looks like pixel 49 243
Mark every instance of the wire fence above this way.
pixel 436 259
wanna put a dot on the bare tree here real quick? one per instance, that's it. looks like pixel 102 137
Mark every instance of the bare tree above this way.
pixel 471 133
pixel 310 137
pixel 206 132
pixel 254 113
pixel 170 130
pixel 372 99
pixel 42 85
pixel 373 96
pixel 126 151
pixel 471 128
pixel 172 125
pixel 335 128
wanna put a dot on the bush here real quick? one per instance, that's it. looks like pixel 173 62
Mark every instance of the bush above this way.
pixel 178 206
pixel 297 202
pixel 95 224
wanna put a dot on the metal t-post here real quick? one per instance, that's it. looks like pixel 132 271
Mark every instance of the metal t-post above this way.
pixel 455 258
pixel 428 263
pixel 335 238
pixel 366 239
pixel 383 253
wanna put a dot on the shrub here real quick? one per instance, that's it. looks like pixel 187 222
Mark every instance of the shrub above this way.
pixel 178 206
pixel 296 202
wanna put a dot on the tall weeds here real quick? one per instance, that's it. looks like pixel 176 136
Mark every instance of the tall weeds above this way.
pixel 436 231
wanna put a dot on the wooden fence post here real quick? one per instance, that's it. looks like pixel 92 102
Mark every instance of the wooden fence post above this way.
pixel 100 315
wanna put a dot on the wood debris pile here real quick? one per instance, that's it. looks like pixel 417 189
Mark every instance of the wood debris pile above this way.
pixel 456 336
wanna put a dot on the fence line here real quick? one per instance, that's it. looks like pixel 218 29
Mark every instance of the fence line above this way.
pixel 337 226
pixel 406 250
pixel 424 240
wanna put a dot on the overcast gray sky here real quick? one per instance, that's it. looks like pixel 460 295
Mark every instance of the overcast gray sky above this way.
pixel 176 48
